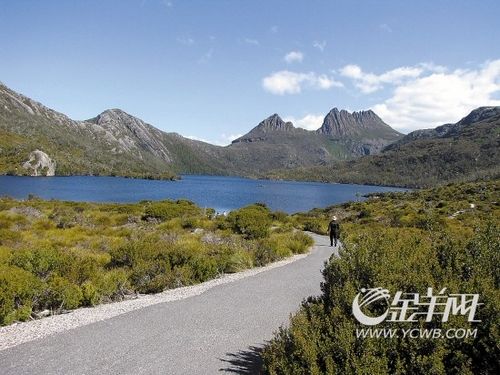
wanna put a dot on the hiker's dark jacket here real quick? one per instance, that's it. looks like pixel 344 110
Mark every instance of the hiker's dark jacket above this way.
pixel 334 229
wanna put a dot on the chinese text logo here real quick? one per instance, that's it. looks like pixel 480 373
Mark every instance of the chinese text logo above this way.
pixel 374 305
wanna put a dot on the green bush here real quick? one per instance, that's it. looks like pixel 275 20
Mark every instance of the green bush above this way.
pixel 150 276
pixel 166 210
pixel 238 261
pixel 62 255
pixel 90 294
pixel 311 222
pixel 279 216
pixel 62 294
pixel 314 226
pixel 113 284
pixel 18 289
pixel 41 262
pixel 252 221
pixel 321 337
pixel 299 242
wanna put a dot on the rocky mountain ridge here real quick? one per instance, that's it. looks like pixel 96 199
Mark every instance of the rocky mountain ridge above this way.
pixel 464 151
pixel 448 130
pixel 117 143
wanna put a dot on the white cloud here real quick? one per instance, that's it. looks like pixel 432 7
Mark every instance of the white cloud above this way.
pixel 369 82
pixel 254 42
pixel 439 96
pixel 308 122
pixel 274 29
pixel 294 56
pixel 319 45
pixel 324 82
pixel 287 82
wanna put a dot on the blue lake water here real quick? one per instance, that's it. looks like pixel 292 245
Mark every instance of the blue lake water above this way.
pixel 221 193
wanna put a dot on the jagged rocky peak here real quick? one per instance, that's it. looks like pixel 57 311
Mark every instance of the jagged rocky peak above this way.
pixel 275 123
pixel 130 132
pixel 118 121
pixel 117 116
pixel 480 114
pixel 341 123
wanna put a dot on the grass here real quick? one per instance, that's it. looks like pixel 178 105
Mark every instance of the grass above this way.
pixel 442 237
pixel 62 255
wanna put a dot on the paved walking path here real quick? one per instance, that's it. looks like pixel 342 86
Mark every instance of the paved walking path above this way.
pixel 220 330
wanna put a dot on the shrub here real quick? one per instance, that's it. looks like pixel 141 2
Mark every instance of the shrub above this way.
pixel 114 284
pixel 81 254
pixel 313 226
pixel 279 216
pixel 18 289
pixel 5 255
pixel 62 294
pixel 252 221
pixel 150 276
pixel 265 253
pixel 321 336
pixel 299 242
pixel 90 294
pixel 166 210
pixel 238 261
pixel 41 262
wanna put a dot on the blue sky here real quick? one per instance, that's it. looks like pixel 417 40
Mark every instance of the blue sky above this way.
pixel 214 69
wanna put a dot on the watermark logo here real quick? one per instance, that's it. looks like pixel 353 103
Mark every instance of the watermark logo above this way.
pixel 366 299
pixel 373 306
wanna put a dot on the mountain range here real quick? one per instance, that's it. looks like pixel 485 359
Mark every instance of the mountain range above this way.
pixel 349 147
pixel 117 143
pixel 463 151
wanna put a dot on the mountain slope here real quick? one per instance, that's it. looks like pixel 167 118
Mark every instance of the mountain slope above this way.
pixel 463 151
pixel 37 140
pixel 77 147
pixel 179 154
pixel 112 143
pixel 275 144
pixel 364 126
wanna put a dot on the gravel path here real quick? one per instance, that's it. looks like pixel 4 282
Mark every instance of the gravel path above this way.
pixel 204 329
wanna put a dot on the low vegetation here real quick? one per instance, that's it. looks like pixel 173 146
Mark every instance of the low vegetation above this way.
pixel 443 237
pixel 469 153
pixel 62 255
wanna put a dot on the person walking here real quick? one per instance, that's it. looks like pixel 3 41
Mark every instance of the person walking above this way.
pixel 334 231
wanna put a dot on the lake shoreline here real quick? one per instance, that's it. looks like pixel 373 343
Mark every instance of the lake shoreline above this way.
pixel 223 193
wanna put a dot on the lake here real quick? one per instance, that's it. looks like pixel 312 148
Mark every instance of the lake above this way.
pixel 221 193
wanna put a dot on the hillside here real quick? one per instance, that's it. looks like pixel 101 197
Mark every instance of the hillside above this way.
pixel 464 151
pixel 445 237
pixel 36 140
pixel 28 128
pixel 275 144
pixel 364 128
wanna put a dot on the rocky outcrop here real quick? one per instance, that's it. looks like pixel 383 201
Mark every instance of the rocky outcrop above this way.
pixel 272 124
pixel 130 133
pixel 480 114
pixel 449 130
pixel 343 124
pixel 117 143
pixel 40 164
